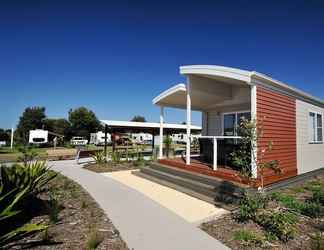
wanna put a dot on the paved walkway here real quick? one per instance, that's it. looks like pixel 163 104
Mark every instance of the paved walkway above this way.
pixel 189 208
pixel 143 223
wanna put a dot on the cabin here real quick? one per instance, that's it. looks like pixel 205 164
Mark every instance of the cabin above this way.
pixel 98 138
pixel 291 119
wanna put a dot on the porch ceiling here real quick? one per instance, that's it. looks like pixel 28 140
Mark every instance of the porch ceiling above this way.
pixel 206 93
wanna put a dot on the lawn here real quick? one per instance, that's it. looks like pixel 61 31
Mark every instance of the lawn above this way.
pixel 291 218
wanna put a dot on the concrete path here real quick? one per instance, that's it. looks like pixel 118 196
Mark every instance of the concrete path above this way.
pixel 189 208
pixel 143 223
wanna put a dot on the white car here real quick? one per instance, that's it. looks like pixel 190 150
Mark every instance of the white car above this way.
pixel 78 140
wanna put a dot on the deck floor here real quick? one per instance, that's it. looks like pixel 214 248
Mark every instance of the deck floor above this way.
pixel 198 166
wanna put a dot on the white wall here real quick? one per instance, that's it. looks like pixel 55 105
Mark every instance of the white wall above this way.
pixel 309 156
pixel 212 120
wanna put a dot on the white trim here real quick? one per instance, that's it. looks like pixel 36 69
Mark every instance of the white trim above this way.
pixel 188 143
pixel 161 132
pixel 316 127
pixel 177 88
pixel 112 123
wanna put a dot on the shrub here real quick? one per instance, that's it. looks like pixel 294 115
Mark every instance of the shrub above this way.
pixel 99 157
pixel 249 206
pixel 28 154
pixel 248 238
pixel 317 241
pixel 8 210
pixel 308 208
pixel 34 176
pixel 94 240
pixel 318 197
pixel 54 208
pixel 115 157
pixel 279 223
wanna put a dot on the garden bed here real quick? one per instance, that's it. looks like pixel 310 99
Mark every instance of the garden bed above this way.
pixel 110 167
pixel 252 233
pixel 77 222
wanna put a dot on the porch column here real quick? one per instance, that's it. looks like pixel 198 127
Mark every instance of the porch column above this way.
pixel 188 121
pixel 254 167
pixel 161 132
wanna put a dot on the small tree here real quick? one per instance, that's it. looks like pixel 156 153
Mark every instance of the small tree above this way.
pixel 249 153
pixel 167 142
pixel 138 118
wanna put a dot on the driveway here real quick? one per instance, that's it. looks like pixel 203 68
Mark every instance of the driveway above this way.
pixel 143 223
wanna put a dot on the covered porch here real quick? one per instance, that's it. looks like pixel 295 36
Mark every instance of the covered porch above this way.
pixel 224 96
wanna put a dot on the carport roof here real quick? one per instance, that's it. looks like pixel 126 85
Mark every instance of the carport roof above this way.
pixel 146 126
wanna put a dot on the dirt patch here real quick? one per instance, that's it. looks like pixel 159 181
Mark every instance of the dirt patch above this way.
pixel 79 219
pixel 110 167
pixel 224 227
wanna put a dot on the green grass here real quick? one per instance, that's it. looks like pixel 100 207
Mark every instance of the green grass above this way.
pixel 248 237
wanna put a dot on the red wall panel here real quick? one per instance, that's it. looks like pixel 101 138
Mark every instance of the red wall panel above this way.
pixel 277 113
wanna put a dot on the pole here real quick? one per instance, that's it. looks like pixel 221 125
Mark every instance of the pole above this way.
pixel 188 144
pixel 161 132
pixel 105 149
pixel 12 137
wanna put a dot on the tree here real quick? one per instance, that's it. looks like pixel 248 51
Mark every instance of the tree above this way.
pixel 138 118
pixel 5 134
pixel 83 122
pixel 32 118
pixel 58 126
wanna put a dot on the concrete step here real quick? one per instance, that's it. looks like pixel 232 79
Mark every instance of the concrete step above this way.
pixel 217 183
pixel 209 191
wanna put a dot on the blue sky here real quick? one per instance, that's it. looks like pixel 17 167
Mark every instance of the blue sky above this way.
pixel 114 57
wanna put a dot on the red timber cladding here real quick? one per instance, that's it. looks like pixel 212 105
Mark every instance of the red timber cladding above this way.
pixel 277 113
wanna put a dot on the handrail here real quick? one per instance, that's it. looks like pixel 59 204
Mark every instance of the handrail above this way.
pixel 219 137
pixel 215 138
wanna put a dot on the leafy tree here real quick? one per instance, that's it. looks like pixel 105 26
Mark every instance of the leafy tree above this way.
pixel 58 126
pixel 138 118
pixel 5 134
pixel 83 122
pixel 32 118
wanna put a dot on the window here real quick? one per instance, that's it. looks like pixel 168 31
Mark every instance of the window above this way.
pixel 315 127
pixel 232 121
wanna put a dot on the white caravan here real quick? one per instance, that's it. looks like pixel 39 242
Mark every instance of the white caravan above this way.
pixel 78 140
pixel 182 138
pixel 142 138
pixel 99 138
pixel 38 136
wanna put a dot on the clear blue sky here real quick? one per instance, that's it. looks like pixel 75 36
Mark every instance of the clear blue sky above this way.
pixel 115 56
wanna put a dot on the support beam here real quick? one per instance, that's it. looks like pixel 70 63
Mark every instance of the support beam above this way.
pixel 214 153
pixel 161 132
pixel 12 138
pixel 106 131
pixel 254 167
pixel 188 121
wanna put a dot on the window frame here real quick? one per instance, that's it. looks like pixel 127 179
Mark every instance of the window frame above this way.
pixel 316 113
pixel 236 115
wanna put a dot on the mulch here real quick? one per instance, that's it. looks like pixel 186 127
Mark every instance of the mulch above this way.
pixel 110 167
pixel 224 227
pixel 79 217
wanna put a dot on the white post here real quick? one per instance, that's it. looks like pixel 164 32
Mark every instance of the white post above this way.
pixel 12 137
pixel 254 167
pixel 188 121
pixel 215 153
pixel 161 132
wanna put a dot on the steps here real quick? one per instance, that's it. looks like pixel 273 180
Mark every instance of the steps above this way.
pixel 213 190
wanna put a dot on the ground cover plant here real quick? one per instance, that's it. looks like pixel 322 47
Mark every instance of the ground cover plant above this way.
pixel 71 220
pixel 291 218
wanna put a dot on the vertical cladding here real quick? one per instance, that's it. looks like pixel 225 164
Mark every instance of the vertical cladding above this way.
pixel 277 113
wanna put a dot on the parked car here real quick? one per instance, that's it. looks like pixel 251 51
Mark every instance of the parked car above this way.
pixel 78 140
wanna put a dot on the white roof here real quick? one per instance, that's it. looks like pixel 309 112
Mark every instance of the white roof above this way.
pixel 244 76
pixel 147 125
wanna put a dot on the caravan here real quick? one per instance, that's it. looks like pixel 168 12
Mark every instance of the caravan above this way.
pixel 99 138
pixel 38 136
